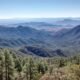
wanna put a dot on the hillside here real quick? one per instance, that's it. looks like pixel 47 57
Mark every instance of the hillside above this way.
pixel 11 36
pixel 18 67
pixel 46 43
pixel 42 52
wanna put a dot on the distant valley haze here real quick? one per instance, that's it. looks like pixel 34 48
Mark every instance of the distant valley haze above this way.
pixel 50 24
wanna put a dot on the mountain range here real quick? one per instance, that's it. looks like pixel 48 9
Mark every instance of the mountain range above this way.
pixel 31 41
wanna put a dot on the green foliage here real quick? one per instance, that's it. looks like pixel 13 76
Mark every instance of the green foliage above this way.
pixel 9 65
pixel 16 67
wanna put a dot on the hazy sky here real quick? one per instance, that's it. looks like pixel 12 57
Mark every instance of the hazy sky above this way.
pixel 39 8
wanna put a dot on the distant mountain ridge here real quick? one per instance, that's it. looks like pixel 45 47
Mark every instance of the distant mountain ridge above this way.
pixel 43 23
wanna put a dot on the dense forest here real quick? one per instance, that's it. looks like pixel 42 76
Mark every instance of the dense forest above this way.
pixel 18 67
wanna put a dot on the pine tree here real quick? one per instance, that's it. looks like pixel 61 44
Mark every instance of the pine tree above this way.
pixel 1 65
pixel 26 71
pixel 31 69
pixel 9 65
pixel 61 63
pixel 19 68
pixel 42 68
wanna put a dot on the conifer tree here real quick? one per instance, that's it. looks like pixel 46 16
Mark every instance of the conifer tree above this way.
pixel 31 69
pixel 1 65
pixel 9 65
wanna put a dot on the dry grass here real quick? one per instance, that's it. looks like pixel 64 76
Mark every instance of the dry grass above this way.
pixel 66 73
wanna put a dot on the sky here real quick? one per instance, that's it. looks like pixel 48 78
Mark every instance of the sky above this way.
pixel 39 8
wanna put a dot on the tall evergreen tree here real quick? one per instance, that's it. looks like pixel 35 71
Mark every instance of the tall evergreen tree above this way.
pixel 31 69
pixel 9 65
pixel 1 65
